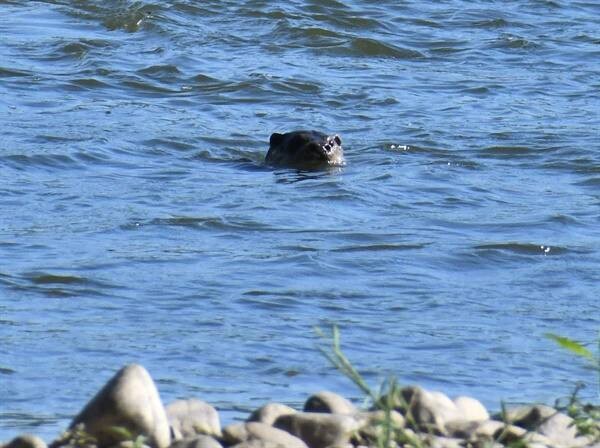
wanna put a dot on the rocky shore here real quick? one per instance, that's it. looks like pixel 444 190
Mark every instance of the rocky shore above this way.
pixel 128 413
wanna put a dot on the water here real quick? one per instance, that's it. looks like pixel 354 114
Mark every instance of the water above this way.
pixel 139 224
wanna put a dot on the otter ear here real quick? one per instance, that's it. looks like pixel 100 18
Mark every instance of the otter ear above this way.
pixel 337 139
pixel 275 139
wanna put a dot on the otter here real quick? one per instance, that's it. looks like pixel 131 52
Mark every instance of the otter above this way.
pixel 305 150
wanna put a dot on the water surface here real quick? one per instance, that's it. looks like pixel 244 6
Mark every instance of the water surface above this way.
pixel 138 222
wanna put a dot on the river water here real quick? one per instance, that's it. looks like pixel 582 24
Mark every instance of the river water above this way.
pixel 138 222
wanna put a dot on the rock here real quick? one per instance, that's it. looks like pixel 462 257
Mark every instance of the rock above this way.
pixel 259 434
pixel 26 441
pixel 443 442
pixel 129 400
pixel 465 429
pixel 471 409
pixel 319 430
pixel 270 412
pixel 258 443
pixel 528 417
pixel 487 429
pixel 189 418
pixel 477 432
pixel 128 444
pixel 371 424
pixel 430 410
pixel 200 441
pixel 559 428
pixel 329 402
pixel 509 434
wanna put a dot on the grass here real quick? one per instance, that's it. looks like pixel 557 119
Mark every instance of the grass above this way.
pixel 586 416
pixel 387 399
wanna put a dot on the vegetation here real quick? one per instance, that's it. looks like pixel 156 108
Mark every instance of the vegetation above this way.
pixel 79 437
pixel 387 399
pixel 585 415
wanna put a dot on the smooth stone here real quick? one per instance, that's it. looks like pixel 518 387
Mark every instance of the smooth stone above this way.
pixel 471 409
pixel 430 410
pixel 558 427
pixel 249 432
pixel 129 400
pixel 509 434
pixel 258 443
pixel 585 441
pixel 319 430
pixel 443 442
pixel 488 429
pixel 464 429
pixel 329 402
pixel 26 441
pixel 199 441
pixel 270 412
pixel 529 417
pixel 189 418
pixel 371 423
pixel 130 444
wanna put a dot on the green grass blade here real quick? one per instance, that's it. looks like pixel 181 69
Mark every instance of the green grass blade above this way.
pixel 571 345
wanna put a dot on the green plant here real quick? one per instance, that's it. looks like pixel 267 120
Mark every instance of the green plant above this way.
pixel 387 399
pixel 125 435
pixel 586 416
pixel 76 437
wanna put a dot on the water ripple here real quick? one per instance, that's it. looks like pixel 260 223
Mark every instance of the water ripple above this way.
pixel 134 187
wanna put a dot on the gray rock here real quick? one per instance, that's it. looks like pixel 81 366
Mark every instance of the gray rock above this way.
pixel 487 429
pixel 430 410
pixel 471 409
pixel 128 444
pixel 560 429
pixel 235 433
pixel 529 417
pixel 547 421
pixel 509 434
pixel 443 442
pixel 200 441
pixel 270 412
pixel 189 418
pixel 26 441
pixel 258 443
pixel 372 424
pixel 329 402
pixel 129 400
pixel 466 430
pixel 319 430
pixel 259 434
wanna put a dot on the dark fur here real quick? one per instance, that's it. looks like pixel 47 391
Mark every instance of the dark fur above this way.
pixel 305 149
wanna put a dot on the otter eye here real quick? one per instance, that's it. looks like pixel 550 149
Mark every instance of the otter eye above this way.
pixel 337 139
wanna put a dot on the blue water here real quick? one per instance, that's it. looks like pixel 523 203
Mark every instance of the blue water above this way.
pixel 138 222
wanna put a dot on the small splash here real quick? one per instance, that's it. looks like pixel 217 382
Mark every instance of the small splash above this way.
pixel 523 248
pixel 399 147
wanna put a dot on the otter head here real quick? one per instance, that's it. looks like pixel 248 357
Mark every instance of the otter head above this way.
pixel 305 149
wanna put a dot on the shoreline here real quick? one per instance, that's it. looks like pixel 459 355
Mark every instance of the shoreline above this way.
pixel 128 413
